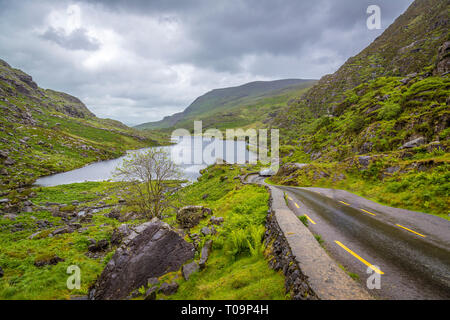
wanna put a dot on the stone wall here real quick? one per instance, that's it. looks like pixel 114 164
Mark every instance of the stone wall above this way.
pixel 281 258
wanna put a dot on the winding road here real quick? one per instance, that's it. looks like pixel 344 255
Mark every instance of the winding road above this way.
pixel 410 251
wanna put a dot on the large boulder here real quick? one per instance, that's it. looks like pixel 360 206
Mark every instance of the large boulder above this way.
pixel 190 216
pixel 151 249
pixel 414 143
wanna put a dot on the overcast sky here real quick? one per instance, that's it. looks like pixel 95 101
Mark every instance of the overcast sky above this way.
pixel 137 61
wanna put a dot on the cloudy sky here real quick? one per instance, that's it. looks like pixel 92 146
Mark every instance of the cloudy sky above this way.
pixel 137 61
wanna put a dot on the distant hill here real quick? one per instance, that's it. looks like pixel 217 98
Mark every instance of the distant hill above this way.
pixel 43 131
pixel 229 107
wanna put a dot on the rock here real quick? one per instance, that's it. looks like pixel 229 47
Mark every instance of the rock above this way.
pixel 86 218
pixel 413 143
pixel 34 235
pixel 11 216
pixel 4 172
pixel 48 261
pixel 316 155
pixel 435 145
pixel 9 162
pixel 205 254
pixel 28 209
pixel 113 214
pixel 27 203
pixel 4 201
pixel 168 288
pixel 443 59
pixel 392 170
pixel 152 282
pixel 119 234
pixel 190 216
pixel 4 154
pixel 151 293
pixel 216 220
pixel 99 246
pixel 206 231
pixel 142 254
pixel 206 195
pixel 364 161
pixel 61 231
pixel 189 269
pixel 366 147
pixel 44 224
pixel 129 216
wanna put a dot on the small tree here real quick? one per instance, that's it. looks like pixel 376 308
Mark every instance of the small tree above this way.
pixel 148 174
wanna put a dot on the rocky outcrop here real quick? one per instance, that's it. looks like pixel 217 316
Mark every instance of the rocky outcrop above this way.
pixel 149 250
pixel 414 143
pixel 190 216
pixel 189 269
pixel 443 64
pixel 205 253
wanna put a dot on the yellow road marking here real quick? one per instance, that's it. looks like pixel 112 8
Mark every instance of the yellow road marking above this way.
pixel 296 205
pixel 411 230
pixel 312 221
pixel 290 198
pixel 344 203
pixel 368 212
pixel 359 258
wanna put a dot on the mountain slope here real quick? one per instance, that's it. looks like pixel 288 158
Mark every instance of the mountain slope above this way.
pixel 407 46
pixel 379 126
pixel 232 105
pixel 44 131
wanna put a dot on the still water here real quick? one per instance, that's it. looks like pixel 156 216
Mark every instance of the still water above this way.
pixel 195 153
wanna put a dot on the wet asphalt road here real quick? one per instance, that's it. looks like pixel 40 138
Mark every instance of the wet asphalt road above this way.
pixel 414 262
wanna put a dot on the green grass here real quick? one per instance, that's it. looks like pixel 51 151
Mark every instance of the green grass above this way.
pixel 22 279
pixel 237 268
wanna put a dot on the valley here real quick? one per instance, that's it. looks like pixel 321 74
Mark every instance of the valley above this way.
pixel 363 178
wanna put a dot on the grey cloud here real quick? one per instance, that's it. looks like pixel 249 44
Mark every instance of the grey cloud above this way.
pixel 165 53
pixel 78 39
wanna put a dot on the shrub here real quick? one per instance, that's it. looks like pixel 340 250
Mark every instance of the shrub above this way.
pixel 389 111
pixel 357 123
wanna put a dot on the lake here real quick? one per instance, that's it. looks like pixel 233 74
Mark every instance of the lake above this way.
pixel 194 153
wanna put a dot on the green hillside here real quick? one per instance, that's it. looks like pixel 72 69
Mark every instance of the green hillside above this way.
pixel 251 104
pixel 44 132
pixel 379 126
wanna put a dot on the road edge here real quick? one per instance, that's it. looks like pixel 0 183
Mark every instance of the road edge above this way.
pixel 309 271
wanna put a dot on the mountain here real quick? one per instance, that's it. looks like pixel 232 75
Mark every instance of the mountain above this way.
pixel 235 106
pixel 409 45
pixel 379 126
pixel 45 131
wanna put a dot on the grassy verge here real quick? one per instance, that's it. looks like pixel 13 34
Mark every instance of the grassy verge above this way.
pixel 237 268
pixel 18 253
